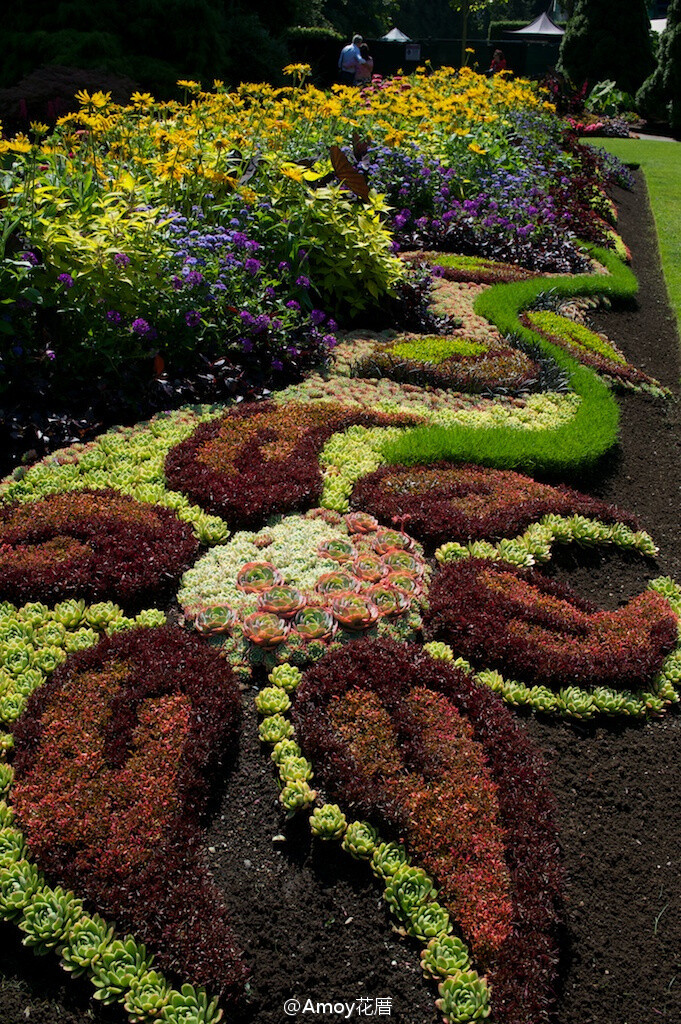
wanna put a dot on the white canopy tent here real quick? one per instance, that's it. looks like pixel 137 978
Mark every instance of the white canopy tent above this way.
pixel 395 36
pixel 541 26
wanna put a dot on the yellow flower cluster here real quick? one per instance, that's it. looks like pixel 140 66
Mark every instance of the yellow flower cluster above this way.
pixel 256 138
pixel 158 147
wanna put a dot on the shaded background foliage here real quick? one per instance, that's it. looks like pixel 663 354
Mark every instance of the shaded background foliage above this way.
pixel 603 41
pixel 151 44
pixel 660 94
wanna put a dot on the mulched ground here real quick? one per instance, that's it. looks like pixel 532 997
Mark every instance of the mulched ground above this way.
pixel 313 924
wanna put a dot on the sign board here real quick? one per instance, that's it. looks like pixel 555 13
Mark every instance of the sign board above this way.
pixel 412 51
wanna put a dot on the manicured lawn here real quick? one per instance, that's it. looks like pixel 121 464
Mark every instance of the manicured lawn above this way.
pixel 661 164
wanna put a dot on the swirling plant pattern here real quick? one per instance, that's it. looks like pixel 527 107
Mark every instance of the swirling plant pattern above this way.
pixel 262 458
pixel 415 745
pixel 114 756
pixel 519 621
pixel 96 545
pixel 446 502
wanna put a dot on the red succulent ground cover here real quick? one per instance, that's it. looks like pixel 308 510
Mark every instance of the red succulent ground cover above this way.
pixel 520 622
pixel 114 760
pixel 444 800
pixel 617 372
pixel 446 502
pixel 96 545
pixel 409 690
pixel 262 458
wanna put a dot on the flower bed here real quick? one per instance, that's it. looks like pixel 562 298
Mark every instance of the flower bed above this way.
pixel 91 544
pixel 372 719
pixel 232 264
pixel 113 760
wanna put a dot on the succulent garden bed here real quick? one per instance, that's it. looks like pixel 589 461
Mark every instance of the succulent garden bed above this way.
pixel 323 697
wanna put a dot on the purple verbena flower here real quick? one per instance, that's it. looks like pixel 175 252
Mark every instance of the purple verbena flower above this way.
pixel 140 326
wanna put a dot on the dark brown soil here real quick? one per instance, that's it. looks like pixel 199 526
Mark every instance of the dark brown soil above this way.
pixel 313 924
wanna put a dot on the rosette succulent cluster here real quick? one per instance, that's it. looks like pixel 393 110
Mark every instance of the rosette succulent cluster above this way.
pixel 318 579
pixel 360 840
pixel 463 998
pixel 443 957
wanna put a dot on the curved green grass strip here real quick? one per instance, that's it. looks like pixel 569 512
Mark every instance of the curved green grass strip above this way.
pixel 573 446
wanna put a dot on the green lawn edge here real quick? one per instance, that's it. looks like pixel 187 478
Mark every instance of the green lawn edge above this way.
pixel 660 162
pixel 573 447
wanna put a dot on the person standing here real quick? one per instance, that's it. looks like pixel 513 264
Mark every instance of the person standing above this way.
pixel 349 60
pixel 365 68
pixel 498 63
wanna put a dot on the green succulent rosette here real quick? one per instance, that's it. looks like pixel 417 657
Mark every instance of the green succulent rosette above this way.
pixel 328 822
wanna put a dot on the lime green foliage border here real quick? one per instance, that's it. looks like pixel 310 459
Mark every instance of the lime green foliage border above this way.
pixel 575 446
pixel 534 545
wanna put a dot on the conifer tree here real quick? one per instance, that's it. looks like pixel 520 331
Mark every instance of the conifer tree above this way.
pixel 660 94
pixel 608 41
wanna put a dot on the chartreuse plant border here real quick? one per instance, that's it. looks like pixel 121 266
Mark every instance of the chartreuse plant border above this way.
pixel 34 640
pixel 576 702
pixel 409 892
pixel 576 446
pixel 128 459
pixel 535 543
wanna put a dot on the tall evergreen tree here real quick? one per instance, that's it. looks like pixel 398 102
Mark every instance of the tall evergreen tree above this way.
pixel 608 41
pixel 660 95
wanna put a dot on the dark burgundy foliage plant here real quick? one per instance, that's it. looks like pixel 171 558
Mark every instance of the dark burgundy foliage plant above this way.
pixel 540 631
pixel 449 502
pixel 262 458
pixel 116 757
pixel 96 545
pixel 523 975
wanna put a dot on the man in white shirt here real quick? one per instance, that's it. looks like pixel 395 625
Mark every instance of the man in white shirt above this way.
pixel 349 60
